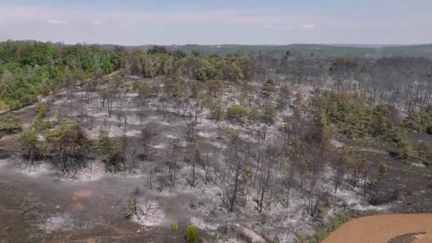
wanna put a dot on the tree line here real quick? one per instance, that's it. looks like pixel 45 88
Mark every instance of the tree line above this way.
pixel 29 69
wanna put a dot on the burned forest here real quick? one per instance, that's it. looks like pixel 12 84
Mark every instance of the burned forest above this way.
pixel 167 144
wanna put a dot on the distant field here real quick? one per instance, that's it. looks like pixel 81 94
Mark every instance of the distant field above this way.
pixel 389 228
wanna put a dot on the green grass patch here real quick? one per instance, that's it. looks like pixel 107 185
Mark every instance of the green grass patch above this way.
pixel 331 226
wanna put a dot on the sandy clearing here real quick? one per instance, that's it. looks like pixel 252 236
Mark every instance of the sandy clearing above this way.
pixel 382 228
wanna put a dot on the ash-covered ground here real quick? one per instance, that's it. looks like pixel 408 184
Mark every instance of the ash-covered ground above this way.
pixel 40 204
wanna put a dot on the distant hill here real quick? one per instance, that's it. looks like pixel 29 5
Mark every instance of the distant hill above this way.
pixel 305 49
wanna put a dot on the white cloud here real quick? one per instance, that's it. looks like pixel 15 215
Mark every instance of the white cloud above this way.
pixel 276 26
pixel 55 21
pixel 268 26
pixel 308 26
pixel 228 18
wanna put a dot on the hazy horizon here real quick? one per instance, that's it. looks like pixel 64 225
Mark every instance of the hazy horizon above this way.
pixel 254 22
pixel 353 45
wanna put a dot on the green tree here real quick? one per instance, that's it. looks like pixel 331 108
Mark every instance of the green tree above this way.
pixel 415 121
pixel 104 143
pixel 268 88
pixel 68 145
pixel 269 113
pixel 30 146
pixel 112 150
pixel 216 110
pixel 284 97
pixel 405 150
pixel 195 161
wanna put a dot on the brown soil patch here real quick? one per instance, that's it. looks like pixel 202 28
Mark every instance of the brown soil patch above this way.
pixel 77 196
pixel 10 143
pixel 83 193
pixel 108 233
pixel 5 210
pixel 383 228
pixel 77 206
pixel 117 230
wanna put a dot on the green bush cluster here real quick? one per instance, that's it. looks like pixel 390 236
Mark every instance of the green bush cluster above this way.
pixel 420 121
pixel 404 149
pixel 357 118
pixel 9 124
pixel 30 146
pixel 425 153
pixel 112 150
pixel 41 124
pixel 237 112
pixel 353 116
pixel 67 144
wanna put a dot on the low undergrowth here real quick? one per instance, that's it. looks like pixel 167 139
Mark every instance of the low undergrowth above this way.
pixel 331 226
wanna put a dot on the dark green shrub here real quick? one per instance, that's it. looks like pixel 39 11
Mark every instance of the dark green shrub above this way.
pixel 30 145
pixel 41 110
pixel 132 207
pixel 404 149
pixel 191 234
pixel 237 112
pixel 174 226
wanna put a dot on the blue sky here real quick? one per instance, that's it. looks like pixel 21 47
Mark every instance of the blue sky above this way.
pixel 134 22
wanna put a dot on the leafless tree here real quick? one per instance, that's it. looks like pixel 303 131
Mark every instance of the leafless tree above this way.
pixel 265 174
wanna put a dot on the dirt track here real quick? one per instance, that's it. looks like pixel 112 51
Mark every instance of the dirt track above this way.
pixel 383 228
